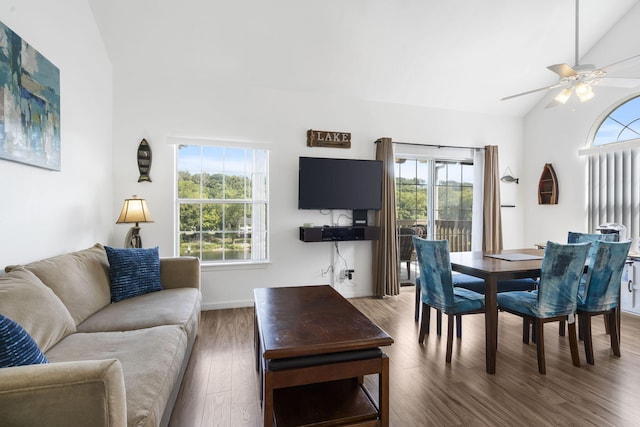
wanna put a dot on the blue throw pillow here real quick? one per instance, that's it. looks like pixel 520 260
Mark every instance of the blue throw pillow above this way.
pixel 133 272
pixel 17 348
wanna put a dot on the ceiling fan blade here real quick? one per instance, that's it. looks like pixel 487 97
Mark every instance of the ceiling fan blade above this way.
pixel 563 70
pixel 628 82
pixel 531 91
pixel 623 63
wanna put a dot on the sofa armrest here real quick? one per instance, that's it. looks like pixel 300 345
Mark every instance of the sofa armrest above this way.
pixel 180 272
pixel 83 393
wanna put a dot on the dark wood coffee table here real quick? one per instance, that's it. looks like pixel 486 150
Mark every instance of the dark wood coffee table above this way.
pixel 311 342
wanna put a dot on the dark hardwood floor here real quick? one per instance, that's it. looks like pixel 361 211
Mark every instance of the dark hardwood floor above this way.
pixel 221 385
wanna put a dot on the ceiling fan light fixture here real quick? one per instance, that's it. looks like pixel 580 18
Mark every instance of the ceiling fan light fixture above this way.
pixel 563 96
pixel 582 77
pixel 584 92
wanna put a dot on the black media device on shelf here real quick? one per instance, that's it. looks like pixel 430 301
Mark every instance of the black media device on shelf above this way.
pixel 340 184
pixel 360 217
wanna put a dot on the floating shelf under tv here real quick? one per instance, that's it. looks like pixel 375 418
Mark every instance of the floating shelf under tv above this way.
pixel 339 233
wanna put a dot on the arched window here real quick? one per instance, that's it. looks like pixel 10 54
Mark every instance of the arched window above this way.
pixel 622 124
pixel 614 169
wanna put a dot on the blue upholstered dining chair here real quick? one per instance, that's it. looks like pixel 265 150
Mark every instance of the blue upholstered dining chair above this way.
pixel 437 288
pixel 578 237
pixel 556 298
pixel 600 293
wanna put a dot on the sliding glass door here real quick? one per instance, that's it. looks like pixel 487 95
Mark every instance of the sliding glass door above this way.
pixel 434 200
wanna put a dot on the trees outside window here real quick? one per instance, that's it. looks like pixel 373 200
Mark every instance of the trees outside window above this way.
pixel 222 203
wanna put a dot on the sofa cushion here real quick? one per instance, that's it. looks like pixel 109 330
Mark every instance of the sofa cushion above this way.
pixel 17 348
pixel 27 301
pixel 167 307
pixel 150 358
pixel 133 272
pixel 80 279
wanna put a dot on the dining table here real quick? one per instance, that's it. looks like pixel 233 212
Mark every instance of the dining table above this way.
pixel 494 267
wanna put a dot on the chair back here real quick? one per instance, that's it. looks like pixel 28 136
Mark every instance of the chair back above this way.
pixel 405 246
pixel 576 237
pixel 562 268
pixel 435 272
pixel 602 288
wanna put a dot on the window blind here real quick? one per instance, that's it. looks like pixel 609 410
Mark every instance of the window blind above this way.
pixel 614 190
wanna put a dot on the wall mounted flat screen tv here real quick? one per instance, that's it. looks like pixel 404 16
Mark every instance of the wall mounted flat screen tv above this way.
pixel 339 184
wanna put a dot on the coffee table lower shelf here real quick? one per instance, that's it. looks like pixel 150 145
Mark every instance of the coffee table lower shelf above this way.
pixel 333 403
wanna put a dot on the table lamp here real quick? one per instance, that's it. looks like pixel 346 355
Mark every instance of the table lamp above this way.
pixel 135 211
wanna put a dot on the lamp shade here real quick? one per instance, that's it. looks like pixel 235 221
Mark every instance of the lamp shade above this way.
pixel 134 210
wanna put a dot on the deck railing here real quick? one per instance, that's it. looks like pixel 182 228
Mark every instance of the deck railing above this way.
pixel 457 232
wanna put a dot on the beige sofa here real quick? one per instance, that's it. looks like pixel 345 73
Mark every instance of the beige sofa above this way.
pixel 110 364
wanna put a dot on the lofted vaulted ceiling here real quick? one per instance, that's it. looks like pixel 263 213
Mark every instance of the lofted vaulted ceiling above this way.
pixel 456 54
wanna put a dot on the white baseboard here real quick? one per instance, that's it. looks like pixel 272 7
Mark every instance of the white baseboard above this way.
pixel 227 304
pixel 249 303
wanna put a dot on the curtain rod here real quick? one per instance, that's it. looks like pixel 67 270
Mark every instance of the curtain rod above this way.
pixel 433 145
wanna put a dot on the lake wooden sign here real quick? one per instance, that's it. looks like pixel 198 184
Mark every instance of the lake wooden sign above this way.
pixel 325 138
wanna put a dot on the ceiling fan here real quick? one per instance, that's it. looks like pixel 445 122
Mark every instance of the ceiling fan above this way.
pixel 581 78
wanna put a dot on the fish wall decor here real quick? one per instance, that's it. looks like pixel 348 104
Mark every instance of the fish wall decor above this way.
pixel 144 160
pixel 508 177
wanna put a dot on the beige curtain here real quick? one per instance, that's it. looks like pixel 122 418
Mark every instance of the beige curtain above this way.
pixel 492 220
pixel 385 250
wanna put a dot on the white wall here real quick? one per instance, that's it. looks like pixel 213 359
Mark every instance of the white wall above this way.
pixel 46 213
pixel 156 105
pixel 157 92
pixel 556 134
pixel 156 96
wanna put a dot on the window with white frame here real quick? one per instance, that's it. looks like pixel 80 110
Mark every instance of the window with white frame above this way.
pixel 614 169
pixel 222 203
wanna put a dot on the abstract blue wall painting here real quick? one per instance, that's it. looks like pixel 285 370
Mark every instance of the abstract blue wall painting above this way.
pixel 29 104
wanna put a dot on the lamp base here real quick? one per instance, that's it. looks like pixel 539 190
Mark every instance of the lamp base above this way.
pixel 133 239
